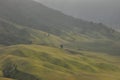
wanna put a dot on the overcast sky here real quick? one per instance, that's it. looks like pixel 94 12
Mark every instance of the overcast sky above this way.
pixel 106 11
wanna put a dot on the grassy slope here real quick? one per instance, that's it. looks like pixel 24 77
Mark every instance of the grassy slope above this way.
pixel 38 16
pixel 81 34
pixel 47 63
pixel 11 33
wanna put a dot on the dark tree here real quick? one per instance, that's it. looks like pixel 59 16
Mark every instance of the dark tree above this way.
pixel 61 46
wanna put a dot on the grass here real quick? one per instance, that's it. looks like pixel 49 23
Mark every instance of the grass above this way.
pixel 47 63
pixel 12 34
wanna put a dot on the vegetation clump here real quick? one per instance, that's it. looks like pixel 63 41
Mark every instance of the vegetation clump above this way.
pixel 11 71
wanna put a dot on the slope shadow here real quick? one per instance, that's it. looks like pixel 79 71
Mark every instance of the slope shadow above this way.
pixel 11 71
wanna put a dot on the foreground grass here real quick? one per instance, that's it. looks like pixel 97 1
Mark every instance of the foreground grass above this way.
pixel 47 63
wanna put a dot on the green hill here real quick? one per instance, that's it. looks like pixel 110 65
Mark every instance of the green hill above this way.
pixel 39 43
pixel 36 62
pixel 36 15
pixel 66 30
pixel 11 34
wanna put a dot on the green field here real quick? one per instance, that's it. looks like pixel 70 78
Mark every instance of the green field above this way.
pixel 48 63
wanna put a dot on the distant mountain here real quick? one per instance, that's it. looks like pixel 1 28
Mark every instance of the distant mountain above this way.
pixel 36 15
pixel 76 33
pixel 105 11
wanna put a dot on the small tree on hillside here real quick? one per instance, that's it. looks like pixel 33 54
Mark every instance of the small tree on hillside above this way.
pixel 61 46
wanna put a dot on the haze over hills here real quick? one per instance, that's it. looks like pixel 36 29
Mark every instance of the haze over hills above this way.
pixel 37 16
pixel 40 43
pixel 102 11
pixel 12 34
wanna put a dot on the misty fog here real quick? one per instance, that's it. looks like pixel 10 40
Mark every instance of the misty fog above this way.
pixel 105 11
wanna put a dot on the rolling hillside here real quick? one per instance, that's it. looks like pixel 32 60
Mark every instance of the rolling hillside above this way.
pixel 36 62
pixel 36 15
pixel 11 34
pixel 39 43
pixel 69 31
